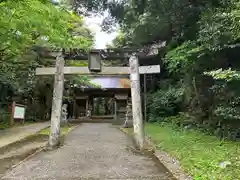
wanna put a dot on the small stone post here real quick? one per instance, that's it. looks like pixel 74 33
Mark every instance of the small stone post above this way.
pixel 64 115
pixel 145 98
pixel 128 116
pixel 115 109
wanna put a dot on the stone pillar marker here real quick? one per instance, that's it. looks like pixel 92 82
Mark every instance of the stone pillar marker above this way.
pixel 128 116
pixel 115 109
pixel 87 106
pixel 54 137
pixel 136 101
pixel 74 107
pixel 145 98
pixel 64 115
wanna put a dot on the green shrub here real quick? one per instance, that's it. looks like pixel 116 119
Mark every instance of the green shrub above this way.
pixel 165 102
pixel 4 119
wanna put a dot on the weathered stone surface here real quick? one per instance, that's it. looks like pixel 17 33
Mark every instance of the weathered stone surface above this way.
pixel 54 138
pixel 64 114
pixel 104 71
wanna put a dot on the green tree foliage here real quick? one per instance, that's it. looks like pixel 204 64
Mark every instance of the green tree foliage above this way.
pixel 29 23
pixel 201 38
pixel 168 105
pixel 148 21
pixel 119 42
pixel 219 29
pixel 24 23
pixel 227 75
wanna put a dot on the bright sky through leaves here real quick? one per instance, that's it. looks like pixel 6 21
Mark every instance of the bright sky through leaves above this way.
pixel 101 38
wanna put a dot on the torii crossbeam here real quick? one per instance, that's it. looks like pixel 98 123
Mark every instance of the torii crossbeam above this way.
pixel 104 71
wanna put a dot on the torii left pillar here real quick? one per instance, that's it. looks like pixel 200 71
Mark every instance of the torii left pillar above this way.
pixel 54 137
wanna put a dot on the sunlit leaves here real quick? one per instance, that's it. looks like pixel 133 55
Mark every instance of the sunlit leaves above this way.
pixel 35 22
pixel 227 75
pixel 24 23
pixel 165 102
pixel 183 56
pixel 220 29
pixel 227 113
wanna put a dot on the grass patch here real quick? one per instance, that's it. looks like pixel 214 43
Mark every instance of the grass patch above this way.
pixel 198 154
pixel 63 130
pixel 4 126
pixel 16 124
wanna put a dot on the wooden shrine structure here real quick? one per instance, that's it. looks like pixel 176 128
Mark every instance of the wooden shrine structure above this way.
pixel 83 101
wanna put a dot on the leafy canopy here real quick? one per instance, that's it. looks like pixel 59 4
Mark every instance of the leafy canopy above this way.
pixel 27 23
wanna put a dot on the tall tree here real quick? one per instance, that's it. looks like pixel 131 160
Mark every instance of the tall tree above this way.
pixel 201 36
pixel 29 23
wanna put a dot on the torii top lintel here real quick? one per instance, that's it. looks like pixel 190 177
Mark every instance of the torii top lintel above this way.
pixel 106 54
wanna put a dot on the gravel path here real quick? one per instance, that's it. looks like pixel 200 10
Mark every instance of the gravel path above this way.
pixel 91 151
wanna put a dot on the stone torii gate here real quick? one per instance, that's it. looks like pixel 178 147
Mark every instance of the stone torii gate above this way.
pixel 95 68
